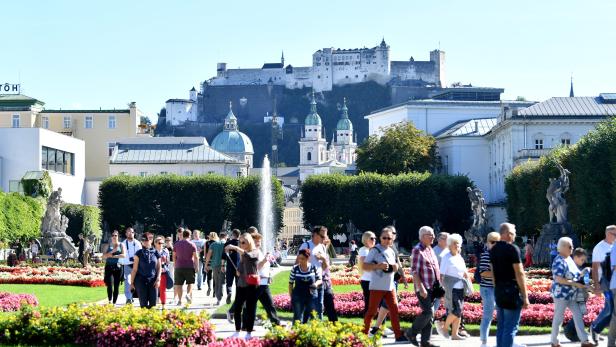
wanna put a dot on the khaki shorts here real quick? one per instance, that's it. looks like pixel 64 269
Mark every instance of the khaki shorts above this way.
pixel 184 275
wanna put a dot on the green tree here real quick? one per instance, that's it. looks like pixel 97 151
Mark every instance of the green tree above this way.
pixel 402 149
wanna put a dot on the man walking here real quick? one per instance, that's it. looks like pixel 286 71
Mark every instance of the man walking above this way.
pixel 200 244
pixel 131 246
pixel 318 259
pixel 602 283
pixel 232 259
pixel 441 245
pixel 186 264
pixel 425 271
pixel 509 285
pixel 213 259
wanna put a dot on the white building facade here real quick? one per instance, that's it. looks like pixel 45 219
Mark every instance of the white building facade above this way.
pixel 35 149
pixel 179 111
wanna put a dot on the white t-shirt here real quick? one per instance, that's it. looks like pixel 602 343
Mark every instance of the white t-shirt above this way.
pixel 264 273
pixel 381 280
pixel 453 265
pixel 599 252
pixel 131 248
pixel 320 248
pixel 366 275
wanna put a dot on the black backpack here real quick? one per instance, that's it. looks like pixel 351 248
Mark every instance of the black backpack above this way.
pixel 606 268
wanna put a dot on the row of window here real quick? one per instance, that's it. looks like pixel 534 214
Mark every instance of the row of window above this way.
pixel 56 160
pixel 563 141
pixel 67 122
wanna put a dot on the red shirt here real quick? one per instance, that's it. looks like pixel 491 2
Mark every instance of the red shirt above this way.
pixel 184 250
pixel 425 265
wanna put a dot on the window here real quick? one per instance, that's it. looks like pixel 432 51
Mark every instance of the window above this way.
pixel 143 174
pixel 67 122
pixel 123 173
pixel 164 173
pixel 188 173
pixel 15 121
pixel 110 147
pixel 45 122
pixel 239 174
pixel 309 156
pixel 56 160
pixel 88 123
pixel 111 122
pixel 565 142
pixel 538 143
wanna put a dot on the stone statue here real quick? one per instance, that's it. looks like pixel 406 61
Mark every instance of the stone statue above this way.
pixel 53 228
pixel 556 196
pixel 478 208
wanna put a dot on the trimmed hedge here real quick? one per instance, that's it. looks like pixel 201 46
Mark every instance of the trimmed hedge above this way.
pixel 82 219
pixel 372 201
pixel 592 194
pixel 204 202
pixel 20 217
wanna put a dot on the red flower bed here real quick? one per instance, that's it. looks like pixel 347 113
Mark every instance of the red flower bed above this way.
pixel 12 302
pixel 539 313
pixel 88 277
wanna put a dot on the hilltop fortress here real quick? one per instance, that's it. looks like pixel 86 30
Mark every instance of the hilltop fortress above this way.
pixel 338 67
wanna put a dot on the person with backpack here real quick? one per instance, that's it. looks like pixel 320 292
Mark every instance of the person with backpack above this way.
pixel 601 275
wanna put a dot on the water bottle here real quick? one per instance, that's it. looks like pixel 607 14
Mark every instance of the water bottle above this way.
pixel 586 278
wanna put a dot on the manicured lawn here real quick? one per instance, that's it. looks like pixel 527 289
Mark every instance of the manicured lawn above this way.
pixel 50 295
pixel 280 285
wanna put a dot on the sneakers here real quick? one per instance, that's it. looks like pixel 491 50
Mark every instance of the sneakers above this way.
pixel 387 332
pixel 373 331
pixel 228 299
pixel 411 339
pixel 595 336
pixel 230 317
pixel 217 302
pixel 463 333
pixel 209 291
pixel 402 339
pixel 440 328
pixel 458 338
pixel 248 336
pixel 129 301
pixel 235 335
pixel 188 299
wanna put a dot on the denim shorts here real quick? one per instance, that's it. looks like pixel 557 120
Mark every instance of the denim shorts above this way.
pixel 457 302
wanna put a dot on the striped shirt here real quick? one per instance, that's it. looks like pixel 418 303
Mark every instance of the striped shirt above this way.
pixel 484 265
pixel 425 264
pixel 310 276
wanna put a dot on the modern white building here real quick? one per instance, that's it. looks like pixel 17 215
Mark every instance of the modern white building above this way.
pixel 25 150
pixel 185 156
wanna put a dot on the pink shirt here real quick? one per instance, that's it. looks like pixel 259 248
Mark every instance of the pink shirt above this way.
pixel 183 251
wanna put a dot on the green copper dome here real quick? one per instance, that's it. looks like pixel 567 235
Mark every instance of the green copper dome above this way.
pixel 313 118
pixel 344 123
pixel 231 140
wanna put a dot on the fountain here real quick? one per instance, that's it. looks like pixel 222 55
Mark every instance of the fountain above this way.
pixel 266 213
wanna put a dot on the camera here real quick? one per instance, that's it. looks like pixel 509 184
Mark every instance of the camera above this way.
pixel 131 259
pixel 389 269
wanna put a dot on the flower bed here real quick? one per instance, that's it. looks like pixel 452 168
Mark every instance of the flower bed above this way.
pixel 105 326
pixel 12 302
pixel 539 313
pixel 85 277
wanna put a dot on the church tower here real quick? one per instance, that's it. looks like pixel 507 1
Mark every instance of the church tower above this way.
pixel 312 145
pixel 345 144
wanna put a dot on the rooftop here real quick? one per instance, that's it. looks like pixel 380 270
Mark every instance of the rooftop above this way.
pixel 433 102
pixel 18 100
pixel 468 128
pixel 167 152
pixel 571 106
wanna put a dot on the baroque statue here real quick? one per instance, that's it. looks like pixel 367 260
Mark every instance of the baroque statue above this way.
pixel 478 208
pixel 53 228
pixel 555 194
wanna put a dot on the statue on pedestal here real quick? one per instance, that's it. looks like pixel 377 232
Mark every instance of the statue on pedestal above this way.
pixel 53 229
pixel 555 195
pixel 478 207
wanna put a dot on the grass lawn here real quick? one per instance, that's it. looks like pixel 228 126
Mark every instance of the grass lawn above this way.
pixel 280 285
pixel 50 295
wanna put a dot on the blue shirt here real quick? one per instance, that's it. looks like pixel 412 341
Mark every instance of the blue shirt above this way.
pixel 148 258
pixel 566 268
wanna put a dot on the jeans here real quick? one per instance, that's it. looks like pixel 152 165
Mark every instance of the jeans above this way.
pixel 231 276
pixel 302 306
pixel 317 304
pixel 200 274
pixel 147 292
pixel 559 315
pixel 604 317
pixel 423 323
pixel 507 323
pixel 487 299
pixel 127 271
pixel 328 305
pixel 219 279
pixel 611 337
pixel 248 296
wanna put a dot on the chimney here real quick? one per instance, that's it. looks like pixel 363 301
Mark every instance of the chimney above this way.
pixel 476 126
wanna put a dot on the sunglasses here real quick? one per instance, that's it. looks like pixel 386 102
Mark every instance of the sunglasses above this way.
pixel 386 238
pixel 159 243
pixel 373 238
pixel 114 235
pixel 243 242
pixel 492 242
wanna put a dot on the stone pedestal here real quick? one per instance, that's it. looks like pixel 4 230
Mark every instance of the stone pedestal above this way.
pixel 550 232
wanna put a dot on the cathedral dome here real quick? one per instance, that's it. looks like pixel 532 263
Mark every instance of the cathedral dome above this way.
pixel 313 118
pixel 231 140
pixel 344 123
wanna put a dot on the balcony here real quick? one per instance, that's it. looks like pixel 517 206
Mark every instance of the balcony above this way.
pixel 530 154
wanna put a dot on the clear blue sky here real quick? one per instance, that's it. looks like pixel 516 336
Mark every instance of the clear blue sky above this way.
pixel 85 54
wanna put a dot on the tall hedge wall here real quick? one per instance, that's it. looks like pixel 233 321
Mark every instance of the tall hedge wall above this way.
pixel 20 217
pixel 162 202
pixel 592 194
pixel 372 201
pixel 82 219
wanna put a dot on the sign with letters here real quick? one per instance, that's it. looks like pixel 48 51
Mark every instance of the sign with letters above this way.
pixel 10 88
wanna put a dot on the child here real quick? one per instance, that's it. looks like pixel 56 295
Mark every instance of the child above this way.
pixel 581 295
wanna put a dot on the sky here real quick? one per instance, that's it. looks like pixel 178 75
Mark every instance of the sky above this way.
pixel 86 54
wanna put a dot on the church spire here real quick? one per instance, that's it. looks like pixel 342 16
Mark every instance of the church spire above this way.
pixel 571 90
pixel 230 120
pixel 313 104
pixel 345 110
pixel 282 58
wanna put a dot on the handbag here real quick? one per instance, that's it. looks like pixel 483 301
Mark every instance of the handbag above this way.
pixel 253 279
pixel 169 281
pixel 437 290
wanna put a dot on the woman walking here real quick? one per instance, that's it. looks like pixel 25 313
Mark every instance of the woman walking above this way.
pixel 528 254
pixel 247 283
pixel 566 275
pixel 369 240
pixel 113 270
pixel 304 280
pixel 456 282
pixel 486 288
pixel 164 273
pixel 145 277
